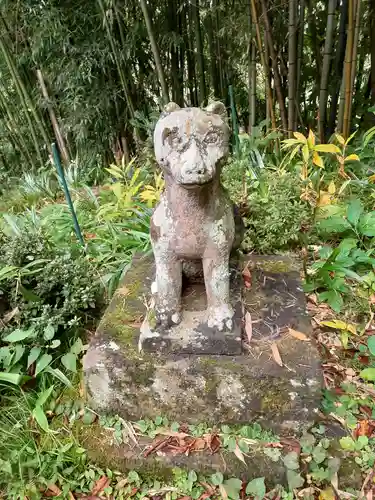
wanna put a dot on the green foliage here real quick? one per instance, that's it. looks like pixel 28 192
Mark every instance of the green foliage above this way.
pixel 275 215
pixel 351 261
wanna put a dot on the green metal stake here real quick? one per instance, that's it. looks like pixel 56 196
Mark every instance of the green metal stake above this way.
pixel 234 120
pixel 60 171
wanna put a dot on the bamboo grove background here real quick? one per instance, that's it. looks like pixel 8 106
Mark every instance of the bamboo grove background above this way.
pixel 93 74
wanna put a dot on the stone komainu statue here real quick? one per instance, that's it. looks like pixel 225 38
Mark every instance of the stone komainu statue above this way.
pixel 194 219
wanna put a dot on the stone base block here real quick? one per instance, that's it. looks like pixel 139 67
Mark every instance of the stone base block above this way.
pixel 210 386
pixel 105 453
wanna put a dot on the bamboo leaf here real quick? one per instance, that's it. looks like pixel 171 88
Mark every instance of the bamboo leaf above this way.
pixel 352 157
pixel 300 137
pixel 327 148
pixel 318 160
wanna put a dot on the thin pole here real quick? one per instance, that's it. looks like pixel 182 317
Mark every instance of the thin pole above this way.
pixel 234 119
pixel 60 171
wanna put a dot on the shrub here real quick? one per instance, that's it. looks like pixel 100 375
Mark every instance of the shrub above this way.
pixel 275 215
pixel 50 291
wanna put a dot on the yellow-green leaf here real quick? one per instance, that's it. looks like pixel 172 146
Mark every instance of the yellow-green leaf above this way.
pixel 327 148
pixel 300 137
pixel 352 158
pixel 350 138
pixel 340 139
pixel 305 153
pixel 318 160
pixel 332 188
pixel 337 324
pixel 287 143
pixel 311 139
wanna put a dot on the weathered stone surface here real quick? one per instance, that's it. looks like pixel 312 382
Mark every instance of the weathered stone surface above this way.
pixel 102 449
pixel 193 335
pixel 194 388
pixel 194 219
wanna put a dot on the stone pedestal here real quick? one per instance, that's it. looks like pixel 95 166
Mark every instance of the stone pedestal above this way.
pixel 194 374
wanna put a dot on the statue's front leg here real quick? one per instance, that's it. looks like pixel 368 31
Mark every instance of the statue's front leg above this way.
pixel 216 278
pixel 168 286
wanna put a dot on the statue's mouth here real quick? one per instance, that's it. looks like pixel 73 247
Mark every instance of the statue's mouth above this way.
pixel 195 185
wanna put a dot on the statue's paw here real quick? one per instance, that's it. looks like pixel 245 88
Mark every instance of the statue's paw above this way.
pixel 166 319
pixel 220 317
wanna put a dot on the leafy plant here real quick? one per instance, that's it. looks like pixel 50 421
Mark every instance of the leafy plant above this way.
pixel 275 215
pixel 352 260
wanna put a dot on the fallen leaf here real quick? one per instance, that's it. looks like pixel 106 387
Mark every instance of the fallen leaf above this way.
pixel 276 354
pixel 198 444
pixel 157 445
pixel 223 493
pixel 52 491
pixel 10 315
pixel 298 335
pixel 327 494
pixel 364 428
pixel 123 291
pixel 247 276
pixel 100 485
pixel 239 454
pixel 291 444
pixel 337 324
pixel 248 326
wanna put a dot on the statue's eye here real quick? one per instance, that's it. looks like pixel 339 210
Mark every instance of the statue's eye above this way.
pixel 211 138
pixel 174 140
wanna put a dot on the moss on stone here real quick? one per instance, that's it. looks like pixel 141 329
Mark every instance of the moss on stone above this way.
pixel 274 266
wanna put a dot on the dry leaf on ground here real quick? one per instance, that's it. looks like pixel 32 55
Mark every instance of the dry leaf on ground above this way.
pixel 52 491
pixel 248 326
pixel 100 485
pixel 247 276
pixel 298 335
pixel 276 354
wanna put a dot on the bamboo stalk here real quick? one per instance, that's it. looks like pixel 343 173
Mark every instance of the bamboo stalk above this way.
pixel 355 52
pixel 55 124
pixel 155 51
pixel 338 69
pixel 265 66
pixel 328 47
pixel 300 40
pixel 22 100
pixel 348 70
pixel 124 84
pixel 292 56
pixel 21 86
pixel 276 72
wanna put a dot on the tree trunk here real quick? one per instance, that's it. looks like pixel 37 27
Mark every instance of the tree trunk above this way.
pixel 276 73
pixel 199 52
pixel 155 51
pixel 292 56
pixel 348 69
pixel 328 47
pixel 264 63
pixel 339 63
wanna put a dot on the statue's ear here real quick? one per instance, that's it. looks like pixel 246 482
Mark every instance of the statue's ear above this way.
pixel 217 108
pixel 171 106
